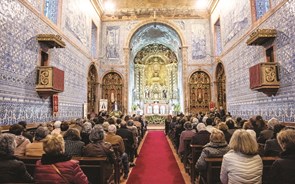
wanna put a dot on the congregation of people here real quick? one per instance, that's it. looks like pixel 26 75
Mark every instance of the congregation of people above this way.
pixel 58 142
pixel 241 143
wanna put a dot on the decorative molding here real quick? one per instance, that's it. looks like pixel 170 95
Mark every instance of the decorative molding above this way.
pixel 261 36
pixel 51 40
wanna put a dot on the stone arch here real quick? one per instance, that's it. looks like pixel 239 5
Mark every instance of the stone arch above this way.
pixel 199 92
pixel 171 37
pixel 152 21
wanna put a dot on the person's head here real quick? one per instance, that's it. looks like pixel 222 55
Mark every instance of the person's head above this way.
pixel 277 128
pixel 72 134
pixel 209 121
pixel 222 126
pixel 123 124
pixel 41 132
pixel 86 127
pixel 248 125
pixel 286 139
pixel 201 127
pixel 230 123
pixel 242 141
pixel 272 122
pixel 195 120
pixel 16 129
pixel 187 125
pixel 217 136
pixel 105 126
pixel 112 129
pixel 7 144
pixel 96 134
pixel 23 123
pixel 64 126
pixel 57 124
pixel 54 144
pixel 130 123
pixel 50 126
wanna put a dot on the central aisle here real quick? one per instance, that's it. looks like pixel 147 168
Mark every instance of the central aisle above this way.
pixel 156 163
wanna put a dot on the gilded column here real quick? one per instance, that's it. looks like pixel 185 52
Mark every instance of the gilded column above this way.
pixel 185 77
pixel 125 87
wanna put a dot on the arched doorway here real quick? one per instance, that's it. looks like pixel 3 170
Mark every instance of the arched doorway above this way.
pixel 200 92
pixel 220 86
pixel 112 85
pixel 92 90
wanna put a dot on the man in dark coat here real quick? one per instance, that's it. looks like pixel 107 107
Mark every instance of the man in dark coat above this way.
pixel 127 137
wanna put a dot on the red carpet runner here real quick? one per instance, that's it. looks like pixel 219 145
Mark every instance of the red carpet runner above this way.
pixel 156 163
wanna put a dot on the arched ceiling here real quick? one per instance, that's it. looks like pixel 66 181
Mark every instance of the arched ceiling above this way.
pixel 155 33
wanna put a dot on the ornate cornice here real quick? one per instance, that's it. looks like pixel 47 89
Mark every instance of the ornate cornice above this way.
pixel 261 36
pixel 51 40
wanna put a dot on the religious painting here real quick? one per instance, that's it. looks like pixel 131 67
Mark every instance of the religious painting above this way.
pixel 112 47
pixel 200 92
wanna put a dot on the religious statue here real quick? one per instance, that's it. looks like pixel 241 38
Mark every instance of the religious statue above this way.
pixel 164 93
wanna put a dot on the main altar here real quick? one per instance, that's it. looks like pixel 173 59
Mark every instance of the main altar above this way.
pixel 156 90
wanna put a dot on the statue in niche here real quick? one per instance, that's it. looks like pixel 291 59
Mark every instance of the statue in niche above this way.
pixel 147 93
pixel 164 93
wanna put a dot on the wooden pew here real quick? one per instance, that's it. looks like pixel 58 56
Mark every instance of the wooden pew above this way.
pixel 196 152
pixel 186 153
pixel 214 166
pixel 93 167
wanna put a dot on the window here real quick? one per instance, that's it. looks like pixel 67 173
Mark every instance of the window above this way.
pixel 93 40
pixel 261 7
pixel 51 10
pixel 217 34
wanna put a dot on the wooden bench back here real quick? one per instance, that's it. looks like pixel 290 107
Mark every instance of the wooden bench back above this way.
pixel 93 167
pixel 214 167
pixel 196 152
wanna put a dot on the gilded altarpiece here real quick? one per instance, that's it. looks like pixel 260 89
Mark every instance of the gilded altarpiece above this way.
pixel 91 89
pixel 112 85
pixel 155 78
pixel 200 93
pixel 220 86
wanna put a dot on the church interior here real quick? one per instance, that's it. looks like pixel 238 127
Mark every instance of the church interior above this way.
pixel 67 60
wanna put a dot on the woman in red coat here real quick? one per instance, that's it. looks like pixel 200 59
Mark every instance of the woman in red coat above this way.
pixel 57 167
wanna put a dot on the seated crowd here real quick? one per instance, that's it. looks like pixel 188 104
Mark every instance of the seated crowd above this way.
pixel 57 142
pixel 241 143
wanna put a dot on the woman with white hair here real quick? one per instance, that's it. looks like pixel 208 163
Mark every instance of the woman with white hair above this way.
pixel 202 137
pixel 242 164
pixel 11 169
